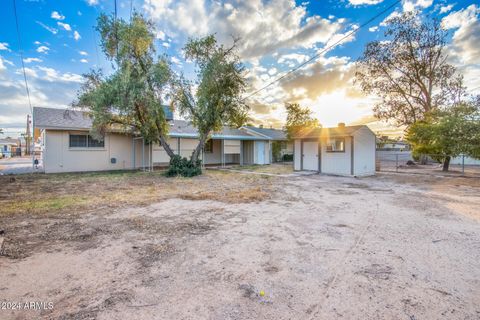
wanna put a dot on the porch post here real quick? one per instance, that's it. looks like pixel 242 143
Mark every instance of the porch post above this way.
pixel 241 152
pixel 223 152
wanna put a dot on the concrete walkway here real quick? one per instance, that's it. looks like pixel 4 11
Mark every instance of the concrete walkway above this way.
pixel 18 165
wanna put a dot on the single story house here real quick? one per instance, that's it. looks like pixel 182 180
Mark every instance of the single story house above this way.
pixel 67 145
pixel 277 137
pixel 342 150
pixel 8 147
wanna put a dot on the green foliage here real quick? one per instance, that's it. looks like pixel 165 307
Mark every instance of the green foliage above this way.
pixel 408 70
pixel 183 167
pixel 288 157
pixel 130 98
pixel 449 133
pixel 299 119
pixel 219 86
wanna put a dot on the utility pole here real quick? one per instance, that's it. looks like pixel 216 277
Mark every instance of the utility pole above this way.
pixel 27 137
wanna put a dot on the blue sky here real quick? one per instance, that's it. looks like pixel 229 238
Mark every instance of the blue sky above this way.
pixel 59 44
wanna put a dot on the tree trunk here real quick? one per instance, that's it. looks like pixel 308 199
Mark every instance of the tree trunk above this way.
pixel 166 146
pixel 446 163
pixel 198 149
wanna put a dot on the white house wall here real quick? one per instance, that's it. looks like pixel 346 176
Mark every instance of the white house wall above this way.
pixel 59 157
pixel 160 156
pixel 297 156
pixel 364 156
pixel 337 162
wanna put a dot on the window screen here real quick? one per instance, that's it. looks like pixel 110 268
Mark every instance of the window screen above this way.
pixel 336 145
pixel 94 143
pixel 78 141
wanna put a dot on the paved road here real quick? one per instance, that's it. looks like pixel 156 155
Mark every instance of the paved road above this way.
pixel 17 166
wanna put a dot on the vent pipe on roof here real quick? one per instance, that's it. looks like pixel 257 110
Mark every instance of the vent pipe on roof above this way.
pixel 341 124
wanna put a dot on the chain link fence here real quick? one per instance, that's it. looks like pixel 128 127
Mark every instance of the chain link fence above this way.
pixel 431 164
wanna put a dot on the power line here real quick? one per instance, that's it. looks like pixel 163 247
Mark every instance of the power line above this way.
pixel 21 55
pixel 324 50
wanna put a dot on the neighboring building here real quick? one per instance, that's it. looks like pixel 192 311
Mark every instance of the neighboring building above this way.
pixel 388 145
pixel 8 147
pixel 276 137
pixel 67 145
pixel 343 150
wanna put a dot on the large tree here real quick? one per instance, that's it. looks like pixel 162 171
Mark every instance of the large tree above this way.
pixel 299 119
pixel 214 100
pixel 131 97
pixel 408 70
pixel 444 134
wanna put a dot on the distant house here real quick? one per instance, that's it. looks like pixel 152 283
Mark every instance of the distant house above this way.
pixel 277 137
pixel 8 147
pixel 68 146
pixel 342 150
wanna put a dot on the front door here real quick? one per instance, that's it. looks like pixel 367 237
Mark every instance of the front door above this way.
pixel 310 155
pixel 260 152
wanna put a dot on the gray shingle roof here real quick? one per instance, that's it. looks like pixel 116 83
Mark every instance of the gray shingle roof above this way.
pixel 65 119
pixel 274 134
pixel 329 132
pixel 50 118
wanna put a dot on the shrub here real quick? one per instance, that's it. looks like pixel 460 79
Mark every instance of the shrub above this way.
pixel 183 167
pixel 288 157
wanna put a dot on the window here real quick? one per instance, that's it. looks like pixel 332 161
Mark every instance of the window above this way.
pixel 208 148
pixel 336 145
pixel 85 141
pixel 283 145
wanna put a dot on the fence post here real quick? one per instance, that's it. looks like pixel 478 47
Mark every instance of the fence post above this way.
pixel 463 164
pixel 396 162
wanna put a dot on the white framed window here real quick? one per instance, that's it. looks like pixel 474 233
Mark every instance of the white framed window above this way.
pixel 85 141
pixel 336 145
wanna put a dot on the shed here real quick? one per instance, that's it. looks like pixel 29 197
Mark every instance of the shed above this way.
pixel 342 150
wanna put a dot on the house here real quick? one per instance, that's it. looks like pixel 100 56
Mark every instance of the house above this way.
pixel 68 146
pixel 8 147
pixel 277 137
pixel 342 150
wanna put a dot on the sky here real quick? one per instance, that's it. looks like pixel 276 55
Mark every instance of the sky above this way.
pixel 59 44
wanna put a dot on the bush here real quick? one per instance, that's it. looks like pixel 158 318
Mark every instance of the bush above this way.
pixel 183 167
pixel 287 157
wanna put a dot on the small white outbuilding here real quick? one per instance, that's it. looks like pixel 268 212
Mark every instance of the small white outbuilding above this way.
pixel 342 150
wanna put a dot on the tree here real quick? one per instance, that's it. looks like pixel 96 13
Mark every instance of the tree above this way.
pixel 447 134
pixel 220 83
pixel 408 71
pixel 130 97
pixel 299 119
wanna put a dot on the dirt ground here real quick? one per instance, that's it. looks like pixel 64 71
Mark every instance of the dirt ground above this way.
pixel 236 246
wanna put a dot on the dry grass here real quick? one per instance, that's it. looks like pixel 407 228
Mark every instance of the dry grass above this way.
pixel 75 193
pixel 276 168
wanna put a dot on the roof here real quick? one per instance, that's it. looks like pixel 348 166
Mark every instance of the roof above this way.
pixel 7 141
pixel 184 129
pixel 273 134
pixel 65 119
pixel 51 118
pixel 329 132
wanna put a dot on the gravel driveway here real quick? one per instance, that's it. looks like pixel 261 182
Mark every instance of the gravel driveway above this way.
pixel 387 247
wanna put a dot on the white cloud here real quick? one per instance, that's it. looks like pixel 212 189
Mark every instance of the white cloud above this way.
pixel 29 72
pixel 392 15
pixel 37 43
pixel 160 35
pixel 76 35
pixel 65 26
pixel 83 60
pixel 92 2
pixel 175 60
pixel 373 29
pixel 166 44
pixel 2 66
pixel 57 16
pixel 271 25
pixel 43 49
pixel 4 46
pixel 51 75
pixel 361 2
pixel 83 53
pixel 445 9
pixel 411 5
pixel 29 60
pixel 49 29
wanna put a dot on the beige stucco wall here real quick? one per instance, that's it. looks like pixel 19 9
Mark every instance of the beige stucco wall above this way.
pixel 364 157
pixel 337 162
pixel 59 157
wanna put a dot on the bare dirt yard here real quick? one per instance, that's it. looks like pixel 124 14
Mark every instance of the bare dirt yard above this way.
pixel 229 245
